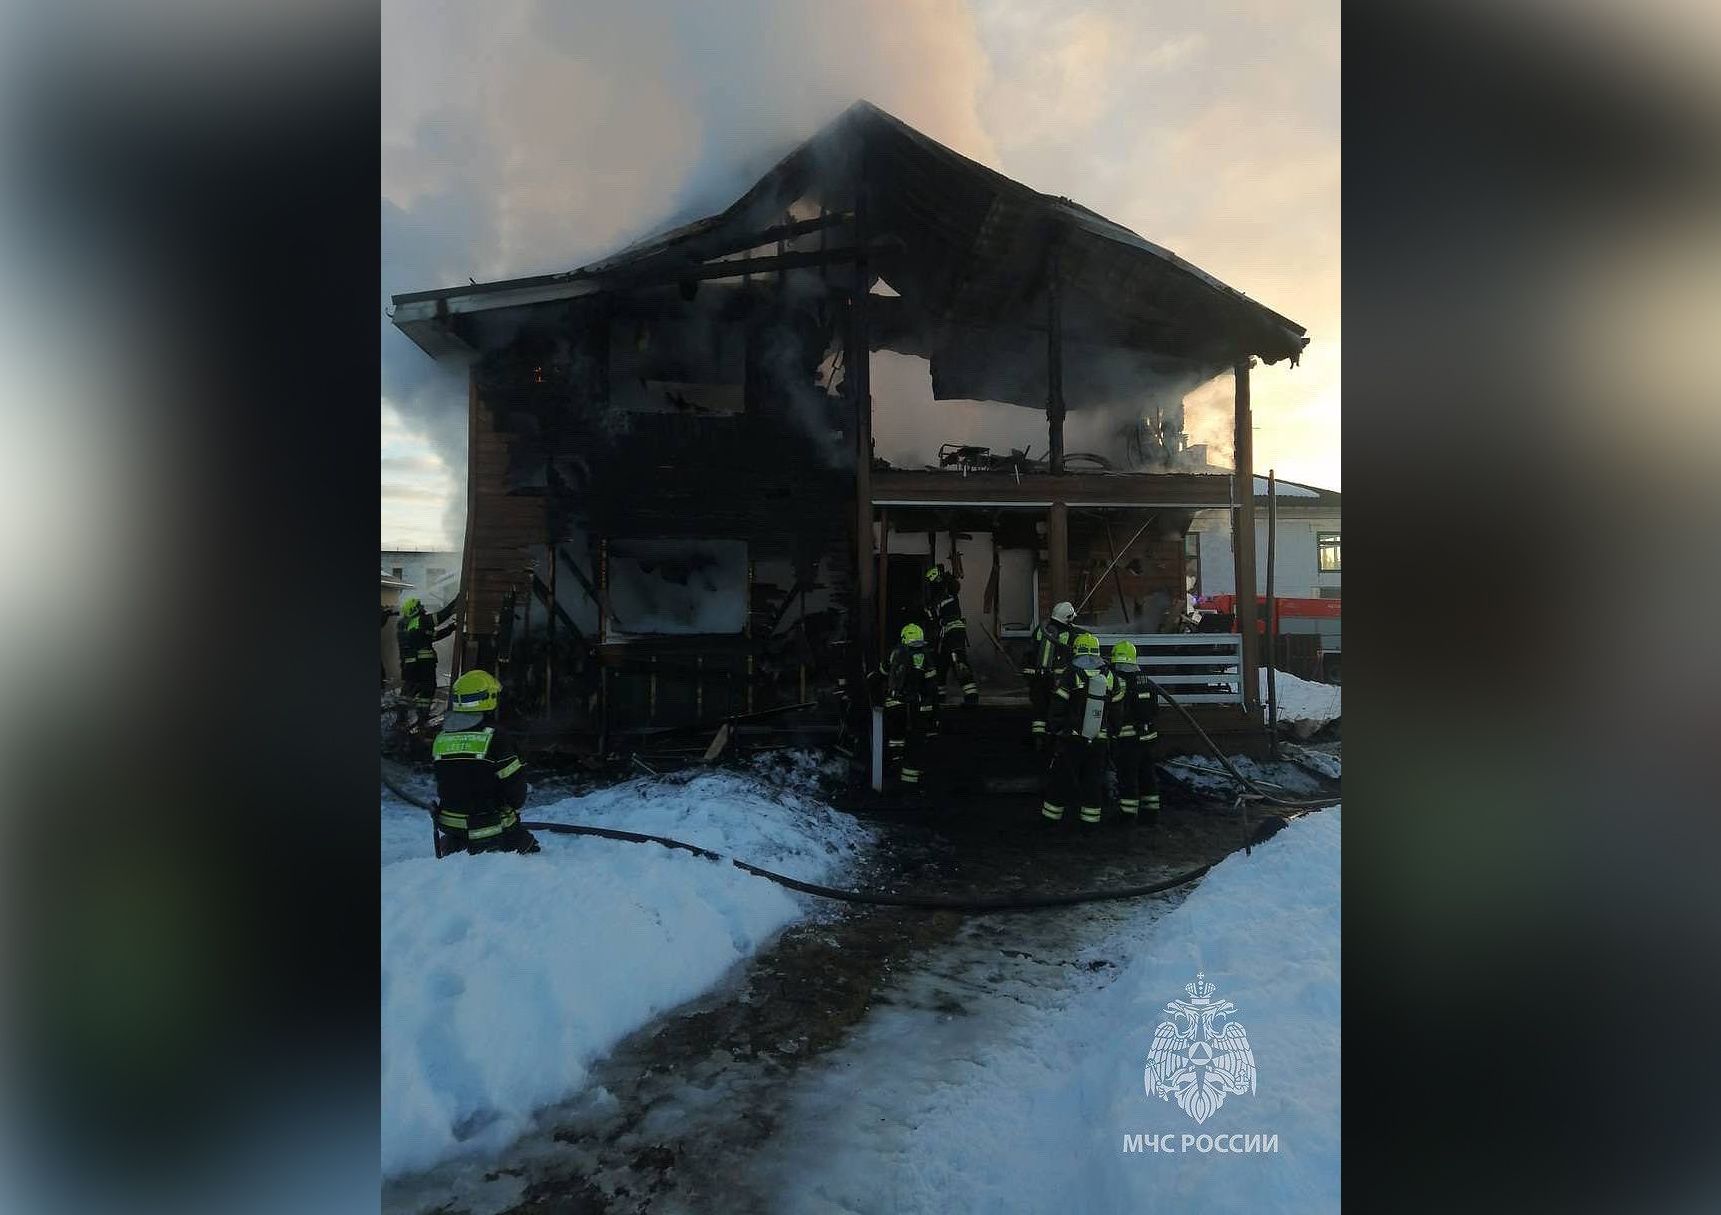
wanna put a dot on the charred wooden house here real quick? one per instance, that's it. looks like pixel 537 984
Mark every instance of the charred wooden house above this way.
pixel 675 515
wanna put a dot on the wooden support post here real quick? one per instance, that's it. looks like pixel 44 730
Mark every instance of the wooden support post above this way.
pixel 1272 659
pixel 1058 550
pixel 857 374
pixel 883 572
pixel 1054 364
pixel 550 647
pixel 1243 536
pixel 468 583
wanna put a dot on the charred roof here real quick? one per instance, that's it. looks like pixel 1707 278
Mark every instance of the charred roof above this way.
pixel 969 252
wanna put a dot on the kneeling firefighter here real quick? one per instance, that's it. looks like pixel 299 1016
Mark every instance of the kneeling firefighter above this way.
pixel 1134 708
pixel 910 700
pixel 1077 725
pixel 944 609
pixel 480 782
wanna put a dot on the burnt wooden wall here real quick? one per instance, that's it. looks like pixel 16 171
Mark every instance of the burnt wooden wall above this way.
pixel 552 460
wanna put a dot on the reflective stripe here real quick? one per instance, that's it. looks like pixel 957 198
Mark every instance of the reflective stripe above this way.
pixel 1153 800
pixel 454 821
pixel 511 767
pixel 1090 814
pixel 1150 736
pixel 910 777
pixel 1052 812
pixel 1039 727
pixel 1126 732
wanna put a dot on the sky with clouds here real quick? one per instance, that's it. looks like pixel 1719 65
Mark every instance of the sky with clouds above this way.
pixel 524 136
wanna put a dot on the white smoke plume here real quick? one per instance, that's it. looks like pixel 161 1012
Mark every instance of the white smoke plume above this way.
pixel 529 136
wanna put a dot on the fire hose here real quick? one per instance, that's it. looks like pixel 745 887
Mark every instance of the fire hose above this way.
pixel 933 902
pixel 920 902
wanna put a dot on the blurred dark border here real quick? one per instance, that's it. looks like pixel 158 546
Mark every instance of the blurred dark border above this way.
pixel 194 890
pixel 1530 920
pixel 1531 923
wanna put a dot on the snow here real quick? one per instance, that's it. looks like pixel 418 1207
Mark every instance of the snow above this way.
pixel 1024 1101
pixel 1303 700
pixel 1206 776
pixel 504 977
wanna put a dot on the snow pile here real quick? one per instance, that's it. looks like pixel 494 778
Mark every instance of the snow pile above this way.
pixel 1205 776
pixel 1302 700
pixel 1034 1108
pixel 505 976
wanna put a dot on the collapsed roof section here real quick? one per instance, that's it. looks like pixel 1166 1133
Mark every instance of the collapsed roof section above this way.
pixel 969 252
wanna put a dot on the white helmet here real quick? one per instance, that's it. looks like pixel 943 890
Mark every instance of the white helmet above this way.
pixel 1064 612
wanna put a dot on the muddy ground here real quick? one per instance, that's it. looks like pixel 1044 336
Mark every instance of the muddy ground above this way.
pixel 674 1117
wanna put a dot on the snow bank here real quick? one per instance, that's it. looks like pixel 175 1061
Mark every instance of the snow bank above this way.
pixel 1032 1110
pixel 1204 775
pixel 504 976
pixel 1301 700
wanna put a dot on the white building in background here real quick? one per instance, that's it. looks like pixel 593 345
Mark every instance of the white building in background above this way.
pixel 1308 562
pixel 433 574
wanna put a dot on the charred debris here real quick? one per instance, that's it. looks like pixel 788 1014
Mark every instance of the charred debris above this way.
pixel 676 518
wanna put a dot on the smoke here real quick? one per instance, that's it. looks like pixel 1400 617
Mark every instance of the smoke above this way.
pixel 909 425
pixel 525 136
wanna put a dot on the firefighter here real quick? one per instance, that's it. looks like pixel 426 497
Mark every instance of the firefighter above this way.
pixel 1076 723
pixel 1046 662
pixel 944 610
pixel 416 632
pixel 1134 709
pixel 480 784
pixel 910 700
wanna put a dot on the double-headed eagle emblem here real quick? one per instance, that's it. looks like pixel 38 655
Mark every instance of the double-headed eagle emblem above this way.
pixel 1200 1055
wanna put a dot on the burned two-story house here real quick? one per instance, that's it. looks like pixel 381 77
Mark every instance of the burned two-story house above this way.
pixel 677 513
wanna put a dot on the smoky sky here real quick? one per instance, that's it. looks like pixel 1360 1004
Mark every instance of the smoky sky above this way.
pixel 526 136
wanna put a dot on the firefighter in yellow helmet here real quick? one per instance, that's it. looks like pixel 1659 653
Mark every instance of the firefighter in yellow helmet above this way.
pixel 415 633
pixel 480 781
pixel 1076 723
pixel 1133 710
pixel 910 700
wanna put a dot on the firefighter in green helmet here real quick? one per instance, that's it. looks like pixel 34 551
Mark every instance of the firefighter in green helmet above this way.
pixel 415 633
pixel 480 781
pixel 943 596
pixel 1133 710
pixel 910 700
pixel 1077 725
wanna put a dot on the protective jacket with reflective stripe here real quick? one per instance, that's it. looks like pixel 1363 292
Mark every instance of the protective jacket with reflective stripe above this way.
pixel 947 614
pixel 911 678
pixel 1054 646
pixel 415 637
pixel 480 781
pixel 1134 705
pixel 1070 700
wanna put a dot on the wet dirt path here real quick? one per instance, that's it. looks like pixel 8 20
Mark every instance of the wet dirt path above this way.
pixel 674 1117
